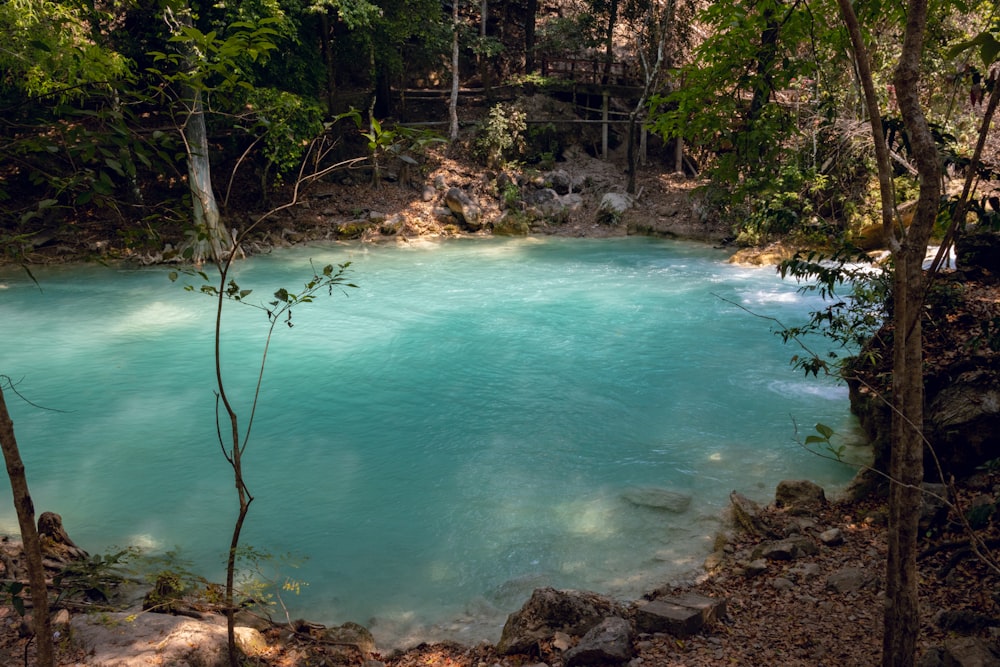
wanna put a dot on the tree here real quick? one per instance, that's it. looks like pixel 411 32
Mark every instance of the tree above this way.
pixel 453 100
pixel 29 536
pixel 234 440
pixel 204 64
pixel 652 27
pixel 909 246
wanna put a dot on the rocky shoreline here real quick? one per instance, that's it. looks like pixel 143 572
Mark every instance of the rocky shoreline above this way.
pixel 796 582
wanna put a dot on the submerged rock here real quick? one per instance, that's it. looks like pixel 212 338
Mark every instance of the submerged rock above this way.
pixel 658 498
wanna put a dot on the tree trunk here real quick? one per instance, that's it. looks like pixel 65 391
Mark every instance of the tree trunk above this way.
pixel 206 209
pixel 902 621
pixel 609 41
pixel 529 36
pixel 329 61
pixel 453 103
pixel 41 622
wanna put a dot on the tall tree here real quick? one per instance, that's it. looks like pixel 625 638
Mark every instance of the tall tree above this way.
pixel 909 247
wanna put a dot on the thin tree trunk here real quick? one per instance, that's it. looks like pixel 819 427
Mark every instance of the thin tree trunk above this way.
pixel 329 61
pixel 453 103
pixel 902 620
pixel 863 63
pixel 41 622
pixel 529 36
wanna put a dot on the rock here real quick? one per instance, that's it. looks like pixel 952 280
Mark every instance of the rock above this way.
pixel 679 615
pixel 805 571
pixel 351 634
pixel 550 610
pixel 463 206
pixel 782 584
pixel 799 496
pixel 561 641
pixel 748 516
pixel 978 252
pixel 714 560
pixel 848 580
pixel 933 506
pixel 428 193
pixel 608 642
pixel 658 498
pixel 961 652
pixel 832 538
pixel 120 639
pixel 964 621
pixel 789 548
pixel 613 205
pixel 756 568
pixel 561 181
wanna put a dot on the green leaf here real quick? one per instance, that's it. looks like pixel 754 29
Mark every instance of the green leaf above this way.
pixel 825 430
pixel 281 295
pixel 815 440
pixel 244 293
pixel 173 276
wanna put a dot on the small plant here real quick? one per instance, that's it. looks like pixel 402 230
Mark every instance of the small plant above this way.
pixel 824 439
pixel 501 139
pixel 94 578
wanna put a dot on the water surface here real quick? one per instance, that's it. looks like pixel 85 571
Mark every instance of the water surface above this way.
pixel 459 430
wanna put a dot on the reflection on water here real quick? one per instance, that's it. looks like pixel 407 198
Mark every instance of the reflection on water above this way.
pixel 456 432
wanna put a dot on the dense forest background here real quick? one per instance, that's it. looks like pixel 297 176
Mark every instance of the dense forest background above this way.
pixel 146 118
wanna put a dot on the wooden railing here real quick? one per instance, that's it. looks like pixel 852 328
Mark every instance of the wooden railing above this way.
pixel 585 70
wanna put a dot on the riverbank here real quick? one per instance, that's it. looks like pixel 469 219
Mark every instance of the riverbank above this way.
pixel 819 603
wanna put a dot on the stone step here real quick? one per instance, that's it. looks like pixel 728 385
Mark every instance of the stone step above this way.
pixel 679 615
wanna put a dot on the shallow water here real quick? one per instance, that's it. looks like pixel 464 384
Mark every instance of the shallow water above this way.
pixel 454 433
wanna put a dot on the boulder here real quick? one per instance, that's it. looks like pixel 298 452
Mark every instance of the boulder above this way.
pixel 849 579
pixel 351 634
pixel 613 206
pixel 549 611
pixel 799 496
pixel 832 537
pixel 464 208
pixel 658 498
pixel 789 548
pixel 610 642
pixel 961 652
pixel 561 181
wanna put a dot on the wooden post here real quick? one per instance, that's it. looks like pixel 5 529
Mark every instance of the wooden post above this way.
pixel 604 127
pixel 642 146
pixel 678 154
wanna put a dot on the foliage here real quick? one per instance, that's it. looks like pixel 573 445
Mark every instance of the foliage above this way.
pixel 286 123
pixel 218 65
pixel 93 578
pixel 825 440
pixel 848 321
pixel 54 51
pixel 501 138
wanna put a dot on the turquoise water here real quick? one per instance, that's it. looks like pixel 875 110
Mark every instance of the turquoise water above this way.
pixel 454 433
